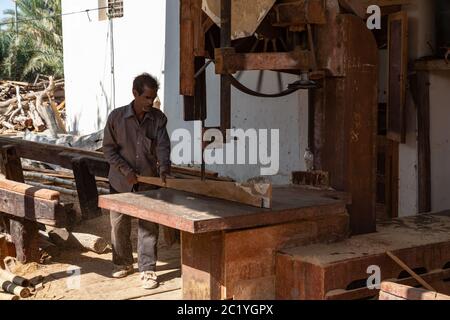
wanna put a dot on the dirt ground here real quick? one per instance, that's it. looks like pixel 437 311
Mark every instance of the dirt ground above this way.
pixel 77 275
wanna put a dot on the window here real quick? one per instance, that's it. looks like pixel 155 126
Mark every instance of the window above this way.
pixel 114 9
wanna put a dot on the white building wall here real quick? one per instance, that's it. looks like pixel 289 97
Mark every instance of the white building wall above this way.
pixel 421 26
pixel 440 140
pixel 139 39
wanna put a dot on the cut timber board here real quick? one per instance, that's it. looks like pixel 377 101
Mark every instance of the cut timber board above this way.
pixel 198 214
pixel 48 212
pixel 256 195
pixel 29 190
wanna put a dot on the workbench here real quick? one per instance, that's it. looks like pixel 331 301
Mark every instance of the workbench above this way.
pixel 228 249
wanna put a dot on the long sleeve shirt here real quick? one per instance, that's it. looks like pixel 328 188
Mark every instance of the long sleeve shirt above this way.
pixel 133 146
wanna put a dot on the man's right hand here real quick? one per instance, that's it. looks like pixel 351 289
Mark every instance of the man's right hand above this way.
pixel 132 178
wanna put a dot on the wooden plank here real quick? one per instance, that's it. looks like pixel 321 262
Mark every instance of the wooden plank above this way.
pixel 229 62
pixel 394 291
pixel 53 154
pixel 257 195
pixel 397 75
pixel 197 214
pixel 25 189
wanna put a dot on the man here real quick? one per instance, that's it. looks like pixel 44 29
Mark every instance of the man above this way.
pixel 135 140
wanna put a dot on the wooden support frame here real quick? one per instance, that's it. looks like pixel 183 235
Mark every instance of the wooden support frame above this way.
pixel 420 89
pixel 397 75
pixel 229 62
pixel 24 233
pixel 297 13
pixel 86 189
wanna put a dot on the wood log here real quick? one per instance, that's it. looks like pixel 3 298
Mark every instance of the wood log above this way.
pixel 7 125
pixel 47 246
pixel 8 297
pixel 61 190
pixel 46 111
pixel 36 175
pixel 25 189
pixel 28 96
pixel 17 280
pixel 64 238
pixel 254 194
pixel 38 123
pixel 9 287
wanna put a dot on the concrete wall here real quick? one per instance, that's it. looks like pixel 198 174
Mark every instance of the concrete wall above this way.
pixel 138 47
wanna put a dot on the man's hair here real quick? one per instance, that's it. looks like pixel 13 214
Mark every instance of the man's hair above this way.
pixel 145 80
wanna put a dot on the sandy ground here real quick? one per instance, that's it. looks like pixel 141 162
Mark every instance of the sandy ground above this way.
pixel 76 275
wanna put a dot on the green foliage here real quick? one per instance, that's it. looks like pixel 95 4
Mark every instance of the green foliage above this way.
pixel 36 47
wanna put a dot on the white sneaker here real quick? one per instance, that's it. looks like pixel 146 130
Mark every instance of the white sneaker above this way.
pixel 149 280
pixel 122 271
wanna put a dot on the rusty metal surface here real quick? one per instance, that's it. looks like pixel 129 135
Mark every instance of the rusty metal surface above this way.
pixel 196 214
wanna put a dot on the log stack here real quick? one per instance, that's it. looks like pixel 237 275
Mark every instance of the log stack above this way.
pixel 25 106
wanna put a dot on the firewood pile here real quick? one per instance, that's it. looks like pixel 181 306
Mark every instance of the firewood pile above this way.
pixel 25 106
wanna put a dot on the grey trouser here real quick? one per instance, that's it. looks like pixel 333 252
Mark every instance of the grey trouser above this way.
pixel 121 242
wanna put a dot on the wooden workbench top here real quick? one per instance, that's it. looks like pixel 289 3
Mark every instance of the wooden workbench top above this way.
pixel 197 214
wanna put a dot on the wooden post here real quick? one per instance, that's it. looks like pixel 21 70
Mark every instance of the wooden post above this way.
pixel 420 88
pixel 86 188
pixel 24 233
pixel 225 83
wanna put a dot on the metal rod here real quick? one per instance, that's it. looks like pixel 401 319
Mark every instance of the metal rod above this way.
pixel 202 69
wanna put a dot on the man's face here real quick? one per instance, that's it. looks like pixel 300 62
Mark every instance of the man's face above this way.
pixel 144 102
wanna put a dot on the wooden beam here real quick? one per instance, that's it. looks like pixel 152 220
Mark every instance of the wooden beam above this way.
pixel 257 195
pixel 397 75
pixel 229 62
pixel 432 65
pixel 18 205
pixel 297 13
pixel 420 90
pixel 86 189
pixel 187 71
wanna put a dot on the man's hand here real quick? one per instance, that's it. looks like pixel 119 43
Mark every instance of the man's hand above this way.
pixel 132 179
pixel 165 173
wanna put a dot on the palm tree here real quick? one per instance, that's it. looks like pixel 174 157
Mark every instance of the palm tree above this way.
pixel 37 46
